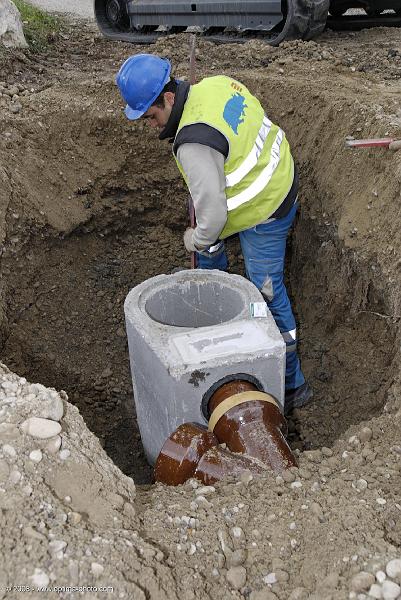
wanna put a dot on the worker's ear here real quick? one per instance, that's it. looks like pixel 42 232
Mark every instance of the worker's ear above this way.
pixel 169 98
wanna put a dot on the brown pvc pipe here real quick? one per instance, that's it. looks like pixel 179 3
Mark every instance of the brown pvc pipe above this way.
pixel 217 464
pixel 256 428
pixel 181 453
pixel 193 451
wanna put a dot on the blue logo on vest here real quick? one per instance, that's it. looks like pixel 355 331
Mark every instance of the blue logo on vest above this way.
pixel 234 110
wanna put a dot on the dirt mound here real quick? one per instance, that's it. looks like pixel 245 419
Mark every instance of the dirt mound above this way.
pixel 67 509
pixel 90 205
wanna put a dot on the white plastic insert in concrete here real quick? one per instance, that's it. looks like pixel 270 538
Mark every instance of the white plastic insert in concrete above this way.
pixel 186 332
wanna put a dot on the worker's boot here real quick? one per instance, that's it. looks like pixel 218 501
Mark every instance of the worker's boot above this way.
pixel 297 398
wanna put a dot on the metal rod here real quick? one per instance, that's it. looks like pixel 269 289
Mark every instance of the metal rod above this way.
pixel 192 80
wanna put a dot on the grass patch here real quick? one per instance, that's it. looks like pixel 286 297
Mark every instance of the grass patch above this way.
pixel 40 28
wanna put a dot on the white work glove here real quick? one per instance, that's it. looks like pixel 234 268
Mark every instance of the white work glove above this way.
pixel 188 240
pixel 209 252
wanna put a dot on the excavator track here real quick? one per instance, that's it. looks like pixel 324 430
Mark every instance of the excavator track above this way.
pixel 219 21
pixel 229 21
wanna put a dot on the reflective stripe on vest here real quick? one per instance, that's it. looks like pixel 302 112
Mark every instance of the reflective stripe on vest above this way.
pixel 263 179
pixel 252 158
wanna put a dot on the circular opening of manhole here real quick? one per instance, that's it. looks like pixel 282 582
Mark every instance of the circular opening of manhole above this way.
pixel 194 304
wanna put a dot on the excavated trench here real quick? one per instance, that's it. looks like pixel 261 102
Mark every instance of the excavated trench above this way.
pixel 64 294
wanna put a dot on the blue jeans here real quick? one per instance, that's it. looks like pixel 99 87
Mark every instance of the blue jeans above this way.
pixel 263 249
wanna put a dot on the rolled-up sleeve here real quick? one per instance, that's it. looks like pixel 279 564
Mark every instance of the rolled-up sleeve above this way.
pixel 204 170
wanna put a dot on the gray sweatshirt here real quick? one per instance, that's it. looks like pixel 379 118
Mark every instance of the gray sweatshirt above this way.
pixel 204 169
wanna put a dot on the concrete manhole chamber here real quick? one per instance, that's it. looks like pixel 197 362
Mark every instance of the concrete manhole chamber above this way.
pixel 187 332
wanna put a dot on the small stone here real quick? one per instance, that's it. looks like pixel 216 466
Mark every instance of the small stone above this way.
pixel 366 434
pixel 360 485
pixel 15 477
pixel 205 490
pixel 270 578
pixel 36 456
pixel 74 518
pixel 53 445
pixel 393 568
pixel 296 485
pixel 288 476
pixel 362 581
pixel 15 108
pixel 106 374
pixel 9 450
pixel 236 577
pixel 381 501
pixel 41 428
pixel 237 558
pixel 375 591
pixel 390 590
pixel 282 576
pixel 56 545
pixel 39 578
pixel 64 454
pixel 202 502
pixel 305 474
pixel 12 90
pixel 52 408
pixel 237 532
pixel 97 569
pixel 381 576
pixel 246 477
pixel 191 550
pixel 353 440
pixel 9 386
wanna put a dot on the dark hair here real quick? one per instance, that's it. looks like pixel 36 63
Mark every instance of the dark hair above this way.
pixel 171 86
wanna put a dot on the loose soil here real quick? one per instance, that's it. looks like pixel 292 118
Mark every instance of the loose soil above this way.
pixel 91 205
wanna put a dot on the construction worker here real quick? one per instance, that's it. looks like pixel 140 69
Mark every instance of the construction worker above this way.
pixel 238 167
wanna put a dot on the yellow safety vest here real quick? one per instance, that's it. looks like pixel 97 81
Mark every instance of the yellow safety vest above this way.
pixel 259 168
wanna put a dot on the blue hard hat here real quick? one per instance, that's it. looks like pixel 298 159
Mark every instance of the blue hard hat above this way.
pixel 140 81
